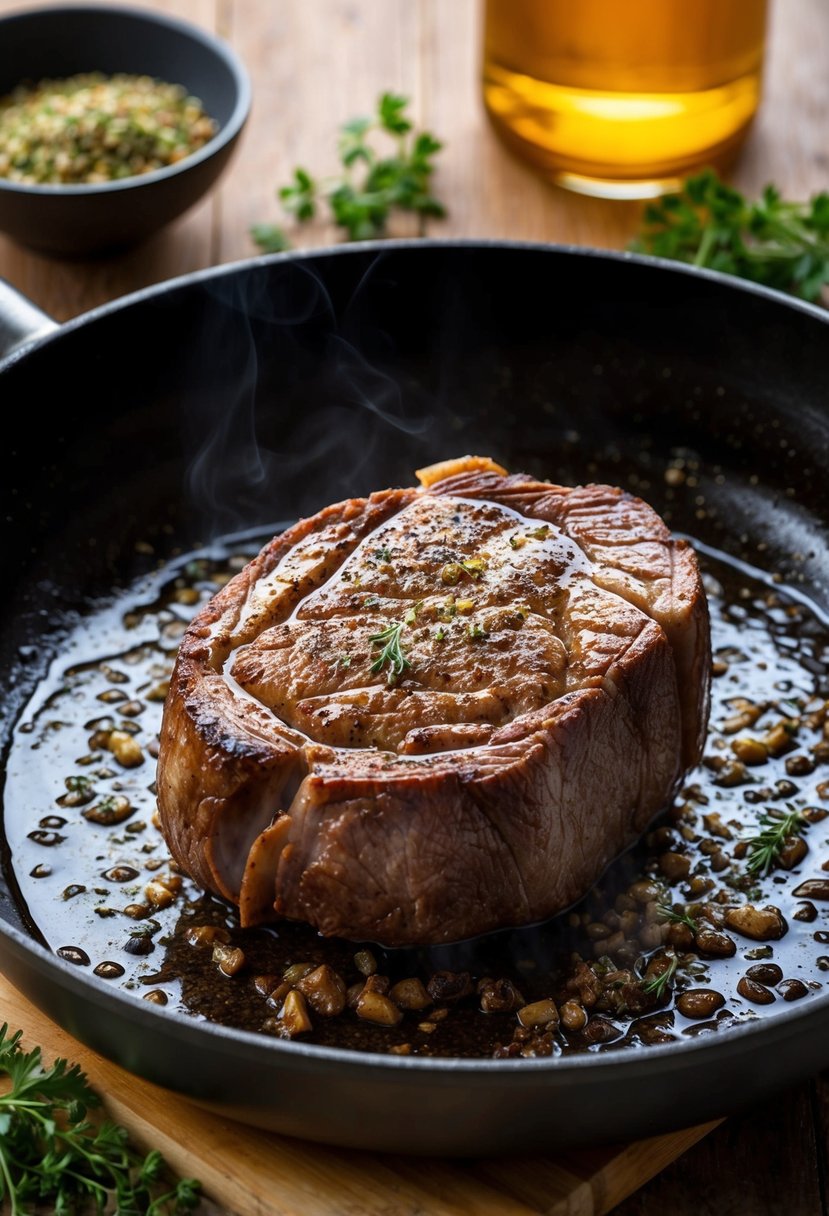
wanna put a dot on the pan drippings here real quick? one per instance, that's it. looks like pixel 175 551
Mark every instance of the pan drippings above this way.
pixel 717 917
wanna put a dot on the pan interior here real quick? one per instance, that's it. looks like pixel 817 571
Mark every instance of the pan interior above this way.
pixel 262 394
pixel 85 853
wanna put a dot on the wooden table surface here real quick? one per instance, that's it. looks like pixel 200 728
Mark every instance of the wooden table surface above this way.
pixel 315 63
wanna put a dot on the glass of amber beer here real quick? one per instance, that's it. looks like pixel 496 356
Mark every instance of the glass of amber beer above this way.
pixel 621 98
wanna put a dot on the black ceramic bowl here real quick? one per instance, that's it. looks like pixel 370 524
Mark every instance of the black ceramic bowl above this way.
pixel 76 221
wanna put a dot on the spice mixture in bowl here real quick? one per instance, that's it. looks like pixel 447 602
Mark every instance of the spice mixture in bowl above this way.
pixel 113 121
pixel 93 129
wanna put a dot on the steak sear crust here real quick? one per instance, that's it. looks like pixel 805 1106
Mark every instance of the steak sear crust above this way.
pixel 436 712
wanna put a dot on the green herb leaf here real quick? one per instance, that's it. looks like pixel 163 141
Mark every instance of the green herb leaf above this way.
pixel 353 146
pixel 392 653
pixel 50 1153
pixel 656 987
pixel 765 848
pixel 708 223
pixel 390 112
pixel 373 185
pixel 474 566
pixel 300 198
pixel 269 238
pixel 677 918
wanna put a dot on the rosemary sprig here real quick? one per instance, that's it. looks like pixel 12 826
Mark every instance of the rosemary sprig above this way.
pixel 765 848
pixel 677 918
pixel 392 652
pixel 656 986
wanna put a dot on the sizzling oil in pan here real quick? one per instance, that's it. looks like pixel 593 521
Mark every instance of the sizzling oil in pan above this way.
pixel 695 928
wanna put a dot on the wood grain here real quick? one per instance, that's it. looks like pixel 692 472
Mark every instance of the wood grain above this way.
pixel 767 1162
pixel 253 1173
pixel 314 64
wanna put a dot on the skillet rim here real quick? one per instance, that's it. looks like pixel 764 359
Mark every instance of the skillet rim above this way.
pixel 173 1022
pixel 399 244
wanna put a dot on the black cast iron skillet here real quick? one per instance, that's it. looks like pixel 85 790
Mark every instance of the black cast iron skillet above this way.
pixel 246 394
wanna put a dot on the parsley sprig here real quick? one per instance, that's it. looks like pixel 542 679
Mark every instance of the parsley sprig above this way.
pixel 392 652
pixel 374 183
pixel 765 848
pixel 772 241
pixel 50 1153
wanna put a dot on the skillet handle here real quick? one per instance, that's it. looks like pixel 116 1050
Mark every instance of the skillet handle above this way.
pixel 20 320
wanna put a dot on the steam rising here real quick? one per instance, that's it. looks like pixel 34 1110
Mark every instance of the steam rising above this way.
pixel 299 415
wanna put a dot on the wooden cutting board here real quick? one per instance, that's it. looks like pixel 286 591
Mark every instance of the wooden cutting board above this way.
pixel 255 1173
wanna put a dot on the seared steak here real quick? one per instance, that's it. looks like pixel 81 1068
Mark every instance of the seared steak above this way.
pixel 435 712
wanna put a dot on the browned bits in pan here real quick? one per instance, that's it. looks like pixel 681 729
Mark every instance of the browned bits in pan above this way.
pixel 750 751
pixel 374 1007
pixel 765 973
pixel 125 748
pixel 161 892
pixel 450 986
pixel 113 809
pixel 109 971
pixel 752 991
pixel 121 873
pixel 573 1015
pixel 293 1018
pixel 712 944
pixel 74 954
pixel 792 990
pixel 499 996
pixel 410 994
pixel 700 1002
pixel 324 990
pixel 296 971
pixel 230 959
pixel 540 1013
pixel 760 924
pixel 365 962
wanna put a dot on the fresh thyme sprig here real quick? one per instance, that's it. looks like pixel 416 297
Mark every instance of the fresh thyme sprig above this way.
pixel 677 918
pixel 51 1153
pixel 765 848
pixel 373 185
pixel 772 241
pixel 392 652
pixel 656 986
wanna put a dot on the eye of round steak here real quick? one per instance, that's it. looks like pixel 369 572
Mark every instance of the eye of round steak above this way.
pixel 439 711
